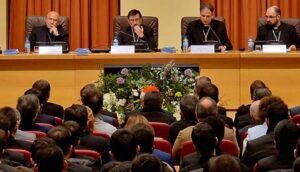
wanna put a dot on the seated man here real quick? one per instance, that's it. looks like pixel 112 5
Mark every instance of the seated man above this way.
pixel 208 29
pixel 276 30
pixel 136 31
pixel 50 32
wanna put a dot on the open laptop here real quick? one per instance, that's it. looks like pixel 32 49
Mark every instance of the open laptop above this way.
pixel 65 46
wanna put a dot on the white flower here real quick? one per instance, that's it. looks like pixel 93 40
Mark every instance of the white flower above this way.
pixel 109 100
pixel 121 102
pixel 135 93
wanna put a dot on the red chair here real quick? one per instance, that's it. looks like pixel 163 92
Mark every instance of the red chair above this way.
pixel 116 123
pixel 255 167
pixel 87 152
pixel 26 154
pixel 160 129
pixel 58 121
pixel 243 136
pixel 45 125
pixel 296 119
pixel 38 134
pixel 228 147
pixel 163 145
pixel 101 134
pixel 187 148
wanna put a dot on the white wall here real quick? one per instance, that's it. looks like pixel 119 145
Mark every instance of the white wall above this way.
pixel 169 14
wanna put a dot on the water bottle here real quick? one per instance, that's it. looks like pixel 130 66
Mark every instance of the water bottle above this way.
pixel 115 41
pixel 250 44
pixel 185 44
pixel 27 44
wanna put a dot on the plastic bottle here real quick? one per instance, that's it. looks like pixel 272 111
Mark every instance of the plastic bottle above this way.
pixel 115 41
pixel 27 44
pixel 250 44
pixel 185 44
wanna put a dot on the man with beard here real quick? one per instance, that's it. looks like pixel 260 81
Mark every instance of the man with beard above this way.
pixel 276 30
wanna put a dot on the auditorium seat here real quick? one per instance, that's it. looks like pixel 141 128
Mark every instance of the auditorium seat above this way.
pixel 296 119
pixel 121 22
pixel 292 21
pixel 95 155
pixel 26 153
pixel 163 145
pixel 38 134
pixel 35 21
pixel 187 148
pixel 160 129
pixel 101 134
pixel 228 147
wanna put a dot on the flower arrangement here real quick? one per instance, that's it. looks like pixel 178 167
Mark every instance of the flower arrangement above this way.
pixel 122 90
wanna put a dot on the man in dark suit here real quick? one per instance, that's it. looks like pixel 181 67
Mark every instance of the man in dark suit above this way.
pixel 262 147
pixel 48 107
pixel 136 31
pixel 208 29
pixel 276 30
pixel 50 32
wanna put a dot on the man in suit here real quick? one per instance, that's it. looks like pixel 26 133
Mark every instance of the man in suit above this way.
pixel 50 32
pixel 276 30
pixel 136 31
pixel 276 110
pixel 4 167
pixel 208 29
pixel 48 107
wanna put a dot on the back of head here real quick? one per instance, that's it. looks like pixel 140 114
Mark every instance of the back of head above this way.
pixel 40 143
pixel 135 119
pixel 144 136
pixel 260 93
pixel 254 111
pixel 77 113
pixel 37 93
pixel 153 99
pixel 62 137
pixel 50 159
pixel 44 87
pixel 76 131
pixel 123 145
pixel 206 107
pixel 3 141
pixel 209 90
pixel 286 136
pixel 28 106
pixel 204 139
pixel 200 82
pixel 146 163
pixel 12 114
pixel 187 107
pixel 22 169
pixel 114 166
pixel 224 163
pixel 256 84
pixel 92 97
pixel 218 125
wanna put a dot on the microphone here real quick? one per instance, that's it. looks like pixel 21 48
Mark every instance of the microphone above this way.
pixel 215 34
pixel 141 40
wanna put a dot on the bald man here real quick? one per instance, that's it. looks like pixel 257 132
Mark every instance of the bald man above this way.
pixel 50 32
pixel 276 30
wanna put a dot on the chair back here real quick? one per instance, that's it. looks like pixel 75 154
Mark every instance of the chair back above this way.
pixel 26 154
pixel 292 21
pixel 163 145
pixel 95 155
pixel 186 20
pixel 36 21
pixel 39 134
pixel 45 125
pixel 101 134
pixel 296 119
pixel 187 148
pixel 58 120
pixel 121 22
pixel 160 129
pixel 228 147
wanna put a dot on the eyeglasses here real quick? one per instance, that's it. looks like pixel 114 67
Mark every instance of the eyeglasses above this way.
pixel 270 17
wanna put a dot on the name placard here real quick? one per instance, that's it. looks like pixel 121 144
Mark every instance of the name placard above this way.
pixel 122 49
pixel 274 48
pixel 57 49
pixel 202 48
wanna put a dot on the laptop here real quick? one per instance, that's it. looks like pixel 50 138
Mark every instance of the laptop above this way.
pixel 65 46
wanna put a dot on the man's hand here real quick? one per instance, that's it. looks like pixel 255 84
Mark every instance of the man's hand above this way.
pixel 222 48
pixel 139 30
pixel 53 30
pixel 292 48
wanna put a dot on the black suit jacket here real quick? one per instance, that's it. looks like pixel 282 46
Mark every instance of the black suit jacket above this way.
pixel 14 157
pixel 259 148
pixel 275 162
pixel 18 144
pixel 72 167
pixel 41 34
pixel 196 36
pixel 125 37
pixel 95 143
pixel 288 34
pixel 53 109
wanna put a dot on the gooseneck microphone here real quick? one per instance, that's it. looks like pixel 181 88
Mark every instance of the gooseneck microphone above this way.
pixel 215 34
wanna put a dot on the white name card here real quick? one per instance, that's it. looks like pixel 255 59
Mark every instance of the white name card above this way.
pixel 57 49
pixel 202 48
pixel 274 49
pixel 122 49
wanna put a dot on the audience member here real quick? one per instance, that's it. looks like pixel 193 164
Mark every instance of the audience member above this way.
pixel 115 166
pixel 3 142
pixel 199 84
pixel 135 119
pixel 146 163
pixel 224 163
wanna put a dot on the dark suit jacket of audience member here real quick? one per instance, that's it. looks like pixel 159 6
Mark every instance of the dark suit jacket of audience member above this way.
pixel 275 162
pixel 18 144
pixel 155 115
pixel 43 118
pixel 126 37
pixel 241 111
pixel 53 109
pixel 243 121
pixel 178 126
pixel 259 148
pixel 111 114
pixel 14 157
pixel 34 127
pixel 6 168
pixel 95 143
pixel 72 167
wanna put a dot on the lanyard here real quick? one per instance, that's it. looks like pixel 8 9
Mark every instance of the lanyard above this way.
pixel 133 35
pixel 206 34
pixel 276 38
